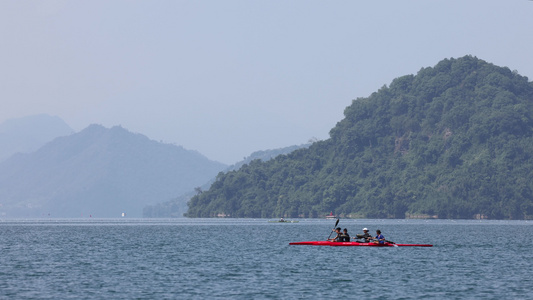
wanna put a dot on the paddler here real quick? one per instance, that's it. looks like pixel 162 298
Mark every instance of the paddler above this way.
pixel 365 236
pixel 338 237
pixel 345 236
pixel 379 237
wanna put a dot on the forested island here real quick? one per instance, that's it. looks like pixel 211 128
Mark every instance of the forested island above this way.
pixel 452 141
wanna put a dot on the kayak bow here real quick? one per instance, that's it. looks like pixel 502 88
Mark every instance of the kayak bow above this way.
pixel 351 244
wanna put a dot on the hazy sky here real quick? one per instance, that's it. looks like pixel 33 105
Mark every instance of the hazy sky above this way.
pixel 228 78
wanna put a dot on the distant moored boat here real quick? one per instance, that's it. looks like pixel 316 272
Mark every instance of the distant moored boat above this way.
pixel 281 220
pixel 331 216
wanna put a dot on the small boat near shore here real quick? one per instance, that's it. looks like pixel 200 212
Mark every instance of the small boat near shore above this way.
pixel 357 244
pixel 331 216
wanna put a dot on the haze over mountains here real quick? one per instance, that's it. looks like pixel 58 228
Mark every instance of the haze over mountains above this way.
pixel 99 172
pixel 178 206
pixel 48 171
pixel 452 141
pixel 29 133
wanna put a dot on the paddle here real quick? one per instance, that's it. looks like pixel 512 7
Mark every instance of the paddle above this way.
pixel 336 223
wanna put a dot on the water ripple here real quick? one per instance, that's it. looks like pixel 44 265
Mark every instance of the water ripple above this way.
pixel 251 259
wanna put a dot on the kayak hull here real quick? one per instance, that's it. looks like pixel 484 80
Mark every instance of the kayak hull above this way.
pixel 356 244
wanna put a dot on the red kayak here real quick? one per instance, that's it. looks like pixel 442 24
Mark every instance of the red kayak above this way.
pixel 350 244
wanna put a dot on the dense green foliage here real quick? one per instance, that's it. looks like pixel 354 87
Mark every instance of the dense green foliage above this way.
pixel 454 141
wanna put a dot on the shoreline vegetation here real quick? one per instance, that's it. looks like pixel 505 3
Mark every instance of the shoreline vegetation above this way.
pixel 407 216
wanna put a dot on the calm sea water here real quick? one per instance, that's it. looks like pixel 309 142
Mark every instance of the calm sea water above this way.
pixel 252 259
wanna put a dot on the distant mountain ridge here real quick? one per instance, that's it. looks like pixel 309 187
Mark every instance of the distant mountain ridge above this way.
pixel 175 208
pixel 29 133
pixel 266 155
pixel 99 172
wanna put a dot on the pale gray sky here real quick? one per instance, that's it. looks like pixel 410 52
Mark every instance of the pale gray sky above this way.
pixel 228 78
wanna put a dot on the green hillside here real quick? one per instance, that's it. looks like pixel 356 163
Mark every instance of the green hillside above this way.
pixel 453 141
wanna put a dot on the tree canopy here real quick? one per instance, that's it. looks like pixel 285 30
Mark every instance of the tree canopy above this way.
pixel 453 141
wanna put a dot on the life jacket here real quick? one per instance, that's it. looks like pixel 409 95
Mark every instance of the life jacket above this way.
pixel 380 236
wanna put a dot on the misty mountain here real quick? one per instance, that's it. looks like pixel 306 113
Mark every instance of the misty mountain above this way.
pixel 29 133
pixel 99 172
pixel 175 208
pixel 265 155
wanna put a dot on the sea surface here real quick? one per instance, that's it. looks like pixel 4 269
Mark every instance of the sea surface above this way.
pixel 252 259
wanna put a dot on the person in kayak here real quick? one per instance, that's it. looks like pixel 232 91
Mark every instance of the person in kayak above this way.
pixel 379 237
pixel 338 237
pixel 365 236
pixel 345 236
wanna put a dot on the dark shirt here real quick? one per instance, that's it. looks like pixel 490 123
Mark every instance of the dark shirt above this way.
pixel 338 237
pixel 345 237
pixel 365 236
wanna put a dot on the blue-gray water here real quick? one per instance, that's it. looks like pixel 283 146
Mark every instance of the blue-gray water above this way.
pixel 252 259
